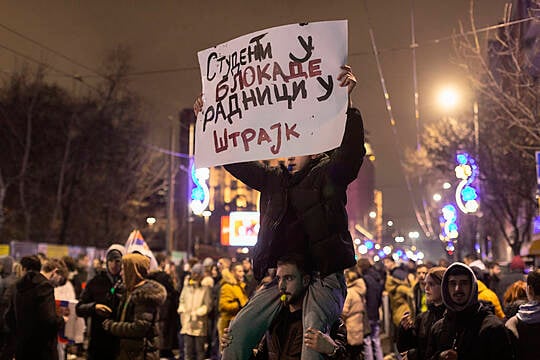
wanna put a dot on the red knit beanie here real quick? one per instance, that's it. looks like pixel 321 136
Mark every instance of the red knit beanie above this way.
pixel 517 263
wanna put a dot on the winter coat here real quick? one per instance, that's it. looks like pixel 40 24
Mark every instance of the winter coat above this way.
pixel 168 322
pixel 307 208
pixel 194 306
pixel 32 316
pixel 419 297
pixel 232 297
pixel 101 289
pixel 525 331
pixel 400 296
pixel 137 325
pixel 373 293
pixel 488 296
pixel 414 340
pixel 284 338
pixel 468 328
pixel 354 311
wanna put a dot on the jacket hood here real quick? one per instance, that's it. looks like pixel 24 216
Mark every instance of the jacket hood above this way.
pixel 228 277
pixel 120 248
pixel 6 265
pixel 150 293
pixel 454 269
pixel 30 281
pixel 529 313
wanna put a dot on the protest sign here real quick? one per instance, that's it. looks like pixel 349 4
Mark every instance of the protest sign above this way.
pixel 273 93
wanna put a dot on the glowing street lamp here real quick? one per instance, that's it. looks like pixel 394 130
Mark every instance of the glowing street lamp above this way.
pixel 448 98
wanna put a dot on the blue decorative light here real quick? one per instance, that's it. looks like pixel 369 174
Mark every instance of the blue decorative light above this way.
pixel 462 158
pixel 466 194
pixel 369 244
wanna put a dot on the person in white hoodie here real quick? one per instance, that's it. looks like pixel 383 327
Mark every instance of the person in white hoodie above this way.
pixel 194 306
pixel 525 326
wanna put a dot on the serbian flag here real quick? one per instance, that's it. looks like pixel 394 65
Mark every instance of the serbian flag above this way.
pixel 136 243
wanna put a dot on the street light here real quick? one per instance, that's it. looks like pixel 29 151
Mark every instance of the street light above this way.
pixel 448 98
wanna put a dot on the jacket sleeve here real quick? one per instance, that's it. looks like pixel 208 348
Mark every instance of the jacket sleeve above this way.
pixel 86 306
pixel 338 333
pixel 47 309
pixel 406 338
pixel 206 304
pixel 500 346
pixel 254 174
pixel 144 317
pixel 228 302
pixel 345 161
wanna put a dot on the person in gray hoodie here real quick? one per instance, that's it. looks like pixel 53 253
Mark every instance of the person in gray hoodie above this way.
pixel 467 330
pixel 525 326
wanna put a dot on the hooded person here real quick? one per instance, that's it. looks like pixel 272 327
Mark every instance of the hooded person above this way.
pixel 413 333
pixel 467 330
pixel 136 325
pixel 525 326
pixel 100 300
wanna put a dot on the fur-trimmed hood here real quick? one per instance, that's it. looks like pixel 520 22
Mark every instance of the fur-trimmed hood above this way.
pixel 228 277
pixel 149 293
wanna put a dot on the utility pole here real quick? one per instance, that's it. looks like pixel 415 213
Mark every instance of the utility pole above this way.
pixel 170 198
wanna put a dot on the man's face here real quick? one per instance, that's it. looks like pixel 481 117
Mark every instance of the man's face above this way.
pixel 114 266
pixel 388 264
pixel 246 264
pixel 238 273
pixel 421 273
pixel 56 278
pixel 496 270
pixel 291 283
pixel 433 291
pixel 297 163
pixel 459 288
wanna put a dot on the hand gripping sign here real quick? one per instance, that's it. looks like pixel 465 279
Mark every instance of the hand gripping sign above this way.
pixel 273 93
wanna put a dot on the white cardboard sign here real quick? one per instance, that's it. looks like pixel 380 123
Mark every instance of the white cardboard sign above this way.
pixel 273 93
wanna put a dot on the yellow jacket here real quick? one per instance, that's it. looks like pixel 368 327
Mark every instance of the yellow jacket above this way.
pixel 232 297
pixel 485 294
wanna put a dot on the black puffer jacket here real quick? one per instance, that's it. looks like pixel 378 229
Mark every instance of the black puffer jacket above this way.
pixel 137 327
pixel 469 329
pixel 32 316
pixel 312 202
pixel 101 289
pixel 415 340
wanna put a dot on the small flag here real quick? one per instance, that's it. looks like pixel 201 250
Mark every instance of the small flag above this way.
pixel 136 243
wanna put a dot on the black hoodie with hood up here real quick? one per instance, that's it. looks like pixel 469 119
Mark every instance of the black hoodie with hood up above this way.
pixel 469 329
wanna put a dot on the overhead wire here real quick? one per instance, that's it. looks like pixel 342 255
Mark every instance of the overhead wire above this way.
pixel 393 125
pixel 57 53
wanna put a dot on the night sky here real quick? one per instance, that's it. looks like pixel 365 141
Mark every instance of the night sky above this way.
pixel 166 35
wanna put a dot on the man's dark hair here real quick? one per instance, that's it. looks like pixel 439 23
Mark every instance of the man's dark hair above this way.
pixel 422 266
pixel 363 264
pixel 471 257
pixel 70 263
pixel 492 264
pixel 533 280
pixel 300 263
pixel 31 263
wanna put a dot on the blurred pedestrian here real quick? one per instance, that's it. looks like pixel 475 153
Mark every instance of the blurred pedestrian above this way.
pixel 525 326
pixel 8 278
pixel 354 313
pixel 374 288
pixel 136 324
pixel 232 295
pixel 168 321
pixel 32 313
pixel 514 297
pixel 100 300
pixel 194 307
pixel 413 333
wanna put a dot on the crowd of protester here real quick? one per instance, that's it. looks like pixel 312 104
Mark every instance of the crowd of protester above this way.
pixel 465 310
